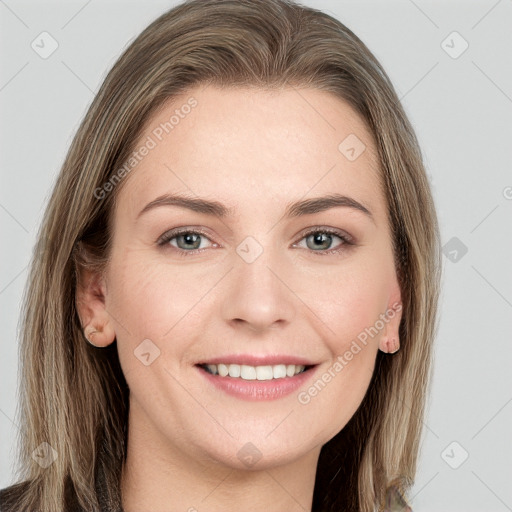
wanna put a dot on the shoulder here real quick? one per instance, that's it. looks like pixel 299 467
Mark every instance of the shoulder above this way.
pixel 10 496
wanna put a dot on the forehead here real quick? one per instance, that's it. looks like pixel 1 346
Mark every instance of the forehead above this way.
pixel 251 146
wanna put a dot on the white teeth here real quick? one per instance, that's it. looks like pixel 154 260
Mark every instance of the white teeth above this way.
pixel 246 372
pixel 279 371
pixel 264 373
pixel 223 370
pixel 234 370
pixel 212 368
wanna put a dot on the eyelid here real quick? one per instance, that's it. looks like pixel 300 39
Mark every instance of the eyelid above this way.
pixel 347 239
pixel 172 233
pixel 344 235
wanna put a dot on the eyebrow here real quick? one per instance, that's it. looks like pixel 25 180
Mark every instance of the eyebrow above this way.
pixel 293 210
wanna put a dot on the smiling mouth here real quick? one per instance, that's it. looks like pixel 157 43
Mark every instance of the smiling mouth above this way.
pixel 247 372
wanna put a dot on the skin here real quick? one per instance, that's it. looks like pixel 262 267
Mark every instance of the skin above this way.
pixel 254 151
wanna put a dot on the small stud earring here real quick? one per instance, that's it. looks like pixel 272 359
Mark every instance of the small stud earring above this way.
pixel 396 346
pixel 392 346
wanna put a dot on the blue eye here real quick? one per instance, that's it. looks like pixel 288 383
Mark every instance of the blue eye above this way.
pixel 322 238
pixel 187 240
pixel 318 240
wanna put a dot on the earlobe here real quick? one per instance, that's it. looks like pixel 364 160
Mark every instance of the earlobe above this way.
pixel 391 346
pixel 390 340
pixel 100 337
pixel 90 303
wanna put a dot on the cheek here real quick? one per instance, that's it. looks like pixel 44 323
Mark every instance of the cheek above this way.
pixel 350 304
pixel 350 309
pixel 148 299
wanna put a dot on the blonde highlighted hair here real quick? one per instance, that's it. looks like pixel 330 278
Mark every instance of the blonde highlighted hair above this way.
pixel 75 397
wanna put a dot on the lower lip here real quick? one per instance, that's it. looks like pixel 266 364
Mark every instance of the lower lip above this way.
pixel 257 390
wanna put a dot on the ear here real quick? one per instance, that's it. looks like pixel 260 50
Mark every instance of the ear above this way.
pixel 90 304
pixel 390 340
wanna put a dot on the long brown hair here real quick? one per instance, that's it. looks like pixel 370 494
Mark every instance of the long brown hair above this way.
pixel 75 397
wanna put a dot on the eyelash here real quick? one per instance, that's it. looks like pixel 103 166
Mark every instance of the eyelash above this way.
pixel 170 235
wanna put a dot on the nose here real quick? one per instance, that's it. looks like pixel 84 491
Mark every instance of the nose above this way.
pixel 258 295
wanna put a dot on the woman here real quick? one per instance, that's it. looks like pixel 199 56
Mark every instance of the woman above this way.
pixel 234 299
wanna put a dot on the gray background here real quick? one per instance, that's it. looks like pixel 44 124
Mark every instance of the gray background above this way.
pixel 461 108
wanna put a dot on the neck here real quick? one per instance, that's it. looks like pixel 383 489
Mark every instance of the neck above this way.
pixel 159 476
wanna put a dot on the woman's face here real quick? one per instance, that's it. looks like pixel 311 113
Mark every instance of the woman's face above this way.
pixel 250 279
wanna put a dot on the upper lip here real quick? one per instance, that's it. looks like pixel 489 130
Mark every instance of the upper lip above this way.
pixel 258 360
